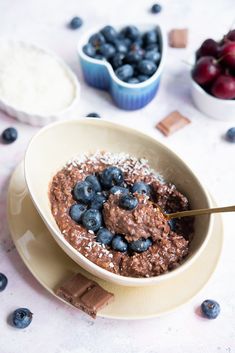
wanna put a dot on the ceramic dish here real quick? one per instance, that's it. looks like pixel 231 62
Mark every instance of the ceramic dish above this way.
pixel 31 117
pixel 100 74
pixel 50 265
pixel 45 156
pixel 220 109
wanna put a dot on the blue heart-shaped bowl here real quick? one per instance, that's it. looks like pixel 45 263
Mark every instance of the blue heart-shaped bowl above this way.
pixel 100 74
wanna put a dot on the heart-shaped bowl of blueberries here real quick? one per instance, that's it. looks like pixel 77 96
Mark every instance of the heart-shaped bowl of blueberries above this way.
pixel 101 188
pixel 127 61
pixel 213 77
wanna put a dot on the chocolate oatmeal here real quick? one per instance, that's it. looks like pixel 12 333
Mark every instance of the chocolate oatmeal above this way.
pixel 106 206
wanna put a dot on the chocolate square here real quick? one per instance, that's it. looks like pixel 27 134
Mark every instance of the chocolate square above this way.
pixel 178 38
pixel 172 123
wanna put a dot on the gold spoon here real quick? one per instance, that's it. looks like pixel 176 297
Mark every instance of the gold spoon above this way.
pixel 198 212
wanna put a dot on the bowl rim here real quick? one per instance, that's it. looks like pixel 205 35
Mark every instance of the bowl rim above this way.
pixel 57 234
pixel 216 100
pixel 71 75
pixel 84 39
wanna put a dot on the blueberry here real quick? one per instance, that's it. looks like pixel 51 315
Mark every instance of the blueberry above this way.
pixel 210 308
pixel 172 224
pixel 137 45
pixel 97 39
pixel 111 176
pixel 107 50
pixel 156 8
pixel 127 42
pixel 121 46
pixel 147 67
pixel 76 211
pixel 117 60
pixel 119 243
pixel 230 134
pixel 140 245
pixel 131 32
pixel 150 37
pixel 104 236
pixel 22 317
pixel 75 23
pixel 94 181
pixel 141 188
pixel 118 190
pixel 92 219
pixel 98 202
pixel 128 202
pixel 151 47
pixel 9 135
pixel 93 115
pixel 3 282
pixel 109 33
pixel 134 57
pixel 133 80
pixel 84 192
pixel 89 50
pixel 142 78
pixel 124 72
pixel 153 55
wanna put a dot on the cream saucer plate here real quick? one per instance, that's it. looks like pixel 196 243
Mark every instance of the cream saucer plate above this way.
pixel 50 265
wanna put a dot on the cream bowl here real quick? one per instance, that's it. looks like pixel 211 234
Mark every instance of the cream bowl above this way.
pixel 54 145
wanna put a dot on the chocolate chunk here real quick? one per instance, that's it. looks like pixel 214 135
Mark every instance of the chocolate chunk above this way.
pixel 172 122
pixel 178 38
pixel 84 294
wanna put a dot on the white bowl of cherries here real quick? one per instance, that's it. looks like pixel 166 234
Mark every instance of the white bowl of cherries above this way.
pixel 213 78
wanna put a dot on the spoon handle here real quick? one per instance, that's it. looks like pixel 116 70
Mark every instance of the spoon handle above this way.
pixel 200 212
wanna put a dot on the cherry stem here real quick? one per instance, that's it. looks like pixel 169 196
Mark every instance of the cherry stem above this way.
pixel 224 56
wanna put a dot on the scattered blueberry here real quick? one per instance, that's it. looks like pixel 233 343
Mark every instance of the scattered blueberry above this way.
pixel 107 50
pixel 131 32
pixel 93 115
pixel 121 46
pixel 230 134
pixel 109 33
pixel 147 67
pixel 75 23
pixel 156 8
pixel 117 60
pixel 111 176
pixel 89 50
pixel 141 188
pixel 150 37
pixel 3 282
pixel 104 236
pixel 84 192
pixel 97 40
pixel 22 317
pixel 98 202
pixel 124 72
pixel 119 243
pixel 134 57
pixel 210 308
pixel 172 224
pixel 128 202
pixel 133 80
pixel 94 181
pixel 92 220
pixel 76 211
pixel 9 135
pixel 142 78
pixel 140 245
pixel 152 55
pixel 118 190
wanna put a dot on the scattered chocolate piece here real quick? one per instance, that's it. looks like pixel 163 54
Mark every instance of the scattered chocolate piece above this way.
pixel 172 122
pixel 178 38
pixel 84 294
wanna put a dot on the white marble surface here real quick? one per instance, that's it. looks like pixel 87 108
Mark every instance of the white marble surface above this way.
pixel 55 327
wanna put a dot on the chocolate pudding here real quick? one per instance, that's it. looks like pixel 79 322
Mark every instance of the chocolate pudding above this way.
pixel 128 235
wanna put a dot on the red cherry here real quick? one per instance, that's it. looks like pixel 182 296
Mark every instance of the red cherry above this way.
pixel 228 55
pixel 224 87
pixel 206 70
pixel 208 48
pixel 231 35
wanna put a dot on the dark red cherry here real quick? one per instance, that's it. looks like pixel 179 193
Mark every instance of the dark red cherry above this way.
pixel 228 55
pixel 224 87
pixel 208 48
pixel 206 70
